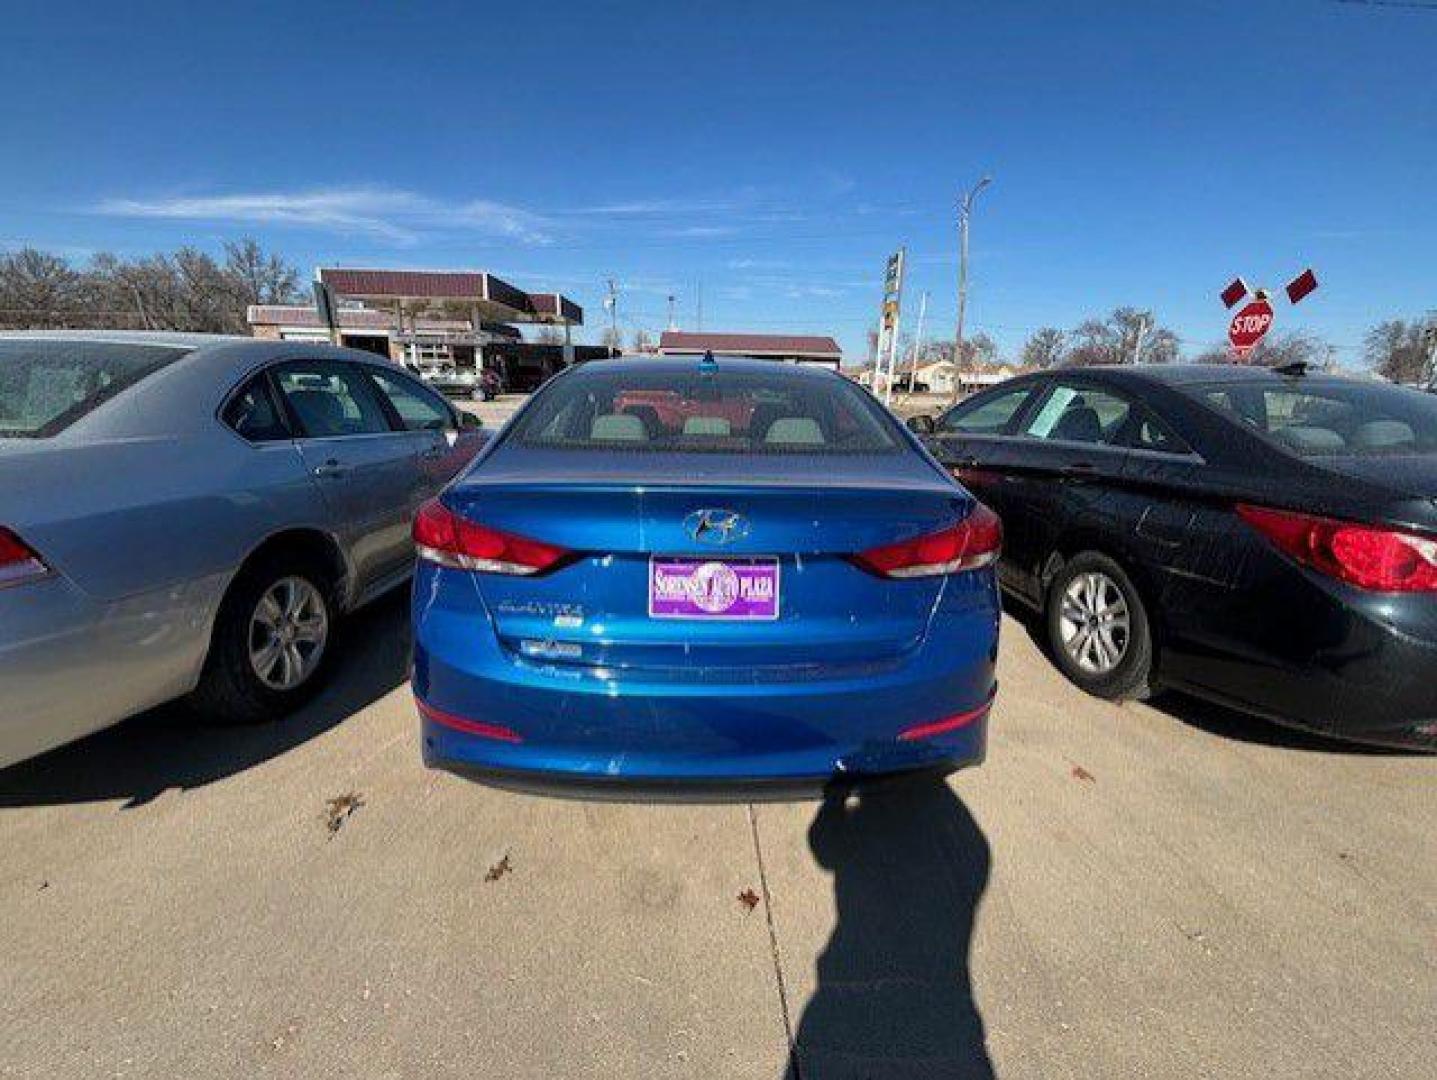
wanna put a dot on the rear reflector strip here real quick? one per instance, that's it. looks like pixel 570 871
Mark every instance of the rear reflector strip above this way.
pixel 469 727
pixel 947 724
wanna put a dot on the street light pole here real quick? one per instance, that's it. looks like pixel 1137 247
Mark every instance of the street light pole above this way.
pixel 965 210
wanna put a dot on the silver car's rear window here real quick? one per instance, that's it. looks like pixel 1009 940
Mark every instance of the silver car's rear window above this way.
pixel 704 411
pixel 45 386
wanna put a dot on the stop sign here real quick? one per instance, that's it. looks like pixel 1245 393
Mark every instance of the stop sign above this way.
pixel 1248 326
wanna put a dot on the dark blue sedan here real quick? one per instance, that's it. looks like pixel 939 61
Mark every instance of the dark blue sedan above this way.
pixel 689 571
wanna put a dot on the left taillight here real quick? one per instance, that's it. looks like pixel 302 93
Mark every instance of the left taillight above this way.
pixel 974 542
pixel 18 560
pixel 442 536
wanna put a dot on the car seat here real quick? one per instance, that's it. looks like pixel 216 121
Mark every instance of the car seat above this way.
pixel 1079 423
pixel 320 412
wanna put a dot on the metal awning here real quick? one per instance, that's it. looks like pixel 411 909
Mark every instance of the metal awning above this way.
pixel 492 298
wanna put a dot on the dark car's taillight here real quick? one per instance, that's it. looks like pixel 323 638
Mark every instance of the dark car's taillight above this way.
pixel 18 560
pixel 442 536
pixel 973 542
pixel 1368 556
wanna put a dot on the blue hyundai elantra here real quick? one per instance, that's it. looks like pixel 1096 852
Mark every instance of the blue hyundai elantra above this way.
pixel 688 572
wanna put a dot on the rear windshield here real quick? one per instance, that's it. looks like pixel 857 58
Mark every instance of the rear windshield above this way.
pixel 45 386
pixel 705 412
pixel 1330 417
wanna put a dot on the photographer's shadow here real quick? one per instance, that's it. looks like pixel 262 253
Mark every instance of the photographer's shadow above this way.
pixel 894 995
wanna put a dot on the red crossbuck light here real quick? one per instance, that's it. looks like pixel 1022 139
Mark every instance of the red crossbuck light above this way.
pixel 1368 556
pixel 18 561
pixel 973 542
pixel 442 536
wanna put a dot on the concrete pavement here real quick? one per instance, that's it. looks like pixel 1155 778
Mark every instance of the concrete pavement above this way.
pixel 1119 891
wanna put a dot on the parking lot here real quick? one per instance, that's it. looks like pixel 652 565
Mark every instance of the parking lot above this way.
pixel 1166 890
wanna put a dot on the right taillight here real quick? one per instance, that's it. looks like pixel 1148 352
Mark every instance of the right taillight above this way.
pixel 18 561
pixel 973 542
pixel 1368 556
pixel 442 536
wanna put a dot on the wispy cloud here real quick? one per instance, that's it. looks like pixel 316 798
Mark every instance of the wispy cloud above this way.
pixel 757 264
pixel 662 207
pixel 397 216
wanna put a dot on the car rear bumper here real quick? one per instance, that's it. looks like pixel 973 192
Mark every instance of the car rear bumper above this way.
pixel 1321 656
pixel 485 710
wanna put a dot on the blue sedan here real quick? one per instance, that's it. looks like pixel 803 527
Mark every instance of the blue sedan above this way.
pixel 679 572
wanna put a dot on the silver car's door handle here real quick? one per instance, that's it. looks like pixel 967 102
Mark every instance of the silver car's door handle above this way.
pixel 330 470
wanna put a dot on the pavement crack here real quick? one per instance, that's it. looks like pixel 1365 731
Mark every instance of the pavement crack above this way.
pixel 795 1069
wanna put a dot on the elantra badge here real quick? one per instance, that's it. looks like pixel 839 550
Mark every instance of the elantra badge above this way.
pixel 716 526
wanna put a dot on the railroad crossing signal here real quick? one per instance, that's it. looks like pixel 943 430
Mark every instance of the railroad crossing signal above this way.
pixel 1251 324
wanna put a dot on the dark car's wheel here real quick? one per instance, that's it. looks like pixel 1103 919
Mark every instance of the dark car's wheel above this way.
pixel 270 642
pixel 1098 628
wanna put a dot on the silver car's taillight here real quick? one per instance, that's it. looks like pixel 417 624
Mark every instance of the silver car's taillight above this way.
pixel 18 560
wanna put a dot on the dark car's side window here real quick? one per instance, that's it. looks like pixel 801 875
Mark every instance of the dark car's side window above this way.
pixel 1083 414
pixel 988 415
pixel 419 409
pixel 331 400
pixel 254 414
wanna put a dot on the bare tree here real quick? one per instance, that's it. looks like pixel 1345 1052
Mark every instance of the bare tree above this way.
pixel 1276 350
pixel 1396 350
pixel 642 341
pixel 187 290
pixel 39 290
pixel 978 349
pixel 549 335
pixel 1046 348
pixel 1115 340
pixel 260 278
pixel 612 337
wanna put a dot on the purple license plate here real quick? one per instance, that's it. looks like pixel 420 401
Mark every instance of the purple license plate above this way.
pixel 713 588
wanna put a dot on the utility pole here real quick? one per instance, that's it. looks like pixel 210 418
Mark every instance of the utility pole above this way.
pixel 699 319
pixel 965 211
pixel 612 303
pixel 672 324
pixel 917 341
pixel 896 300
pixel 1138 343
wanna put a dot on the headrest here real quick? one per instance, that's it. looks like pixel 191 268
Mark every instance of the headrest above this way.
pixel 618 427
pixel 707 425
pixel 795 431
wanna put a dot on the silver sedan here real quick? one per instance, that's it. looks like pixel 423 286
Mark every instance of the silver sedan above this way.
pixel 189 515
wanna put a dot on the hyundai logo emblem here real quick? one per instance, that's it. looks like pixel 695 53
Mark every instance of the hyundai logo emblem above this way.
pixel 716 526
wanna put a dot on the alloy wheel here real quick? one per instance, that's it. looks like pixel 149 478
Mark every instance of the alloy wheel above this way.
pixel 1094 622
pixel 287 633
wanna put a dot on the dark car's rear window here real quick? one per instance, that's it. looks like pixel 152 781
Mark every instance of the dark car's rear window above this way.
pixel 45 386
pixel 1320 417
pixel 705 411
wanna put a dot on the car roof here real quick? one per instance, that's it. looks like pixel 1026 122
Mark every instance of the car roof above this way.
pixel 222 356
pixel 161 338
pixel 1188 374
pixel 687 365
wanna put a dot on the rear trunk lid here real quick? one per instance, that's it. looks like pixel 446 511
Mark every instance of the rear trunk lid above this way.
pixel 624 602
pixel 1398 489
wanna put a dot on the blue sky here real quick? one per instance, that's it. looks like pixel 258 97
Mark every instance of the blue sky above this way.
pixel 1143 152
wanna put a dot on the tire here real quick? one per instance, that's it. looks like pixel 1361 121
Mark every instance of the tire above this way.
pixel 1098 629
pixel 232 689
